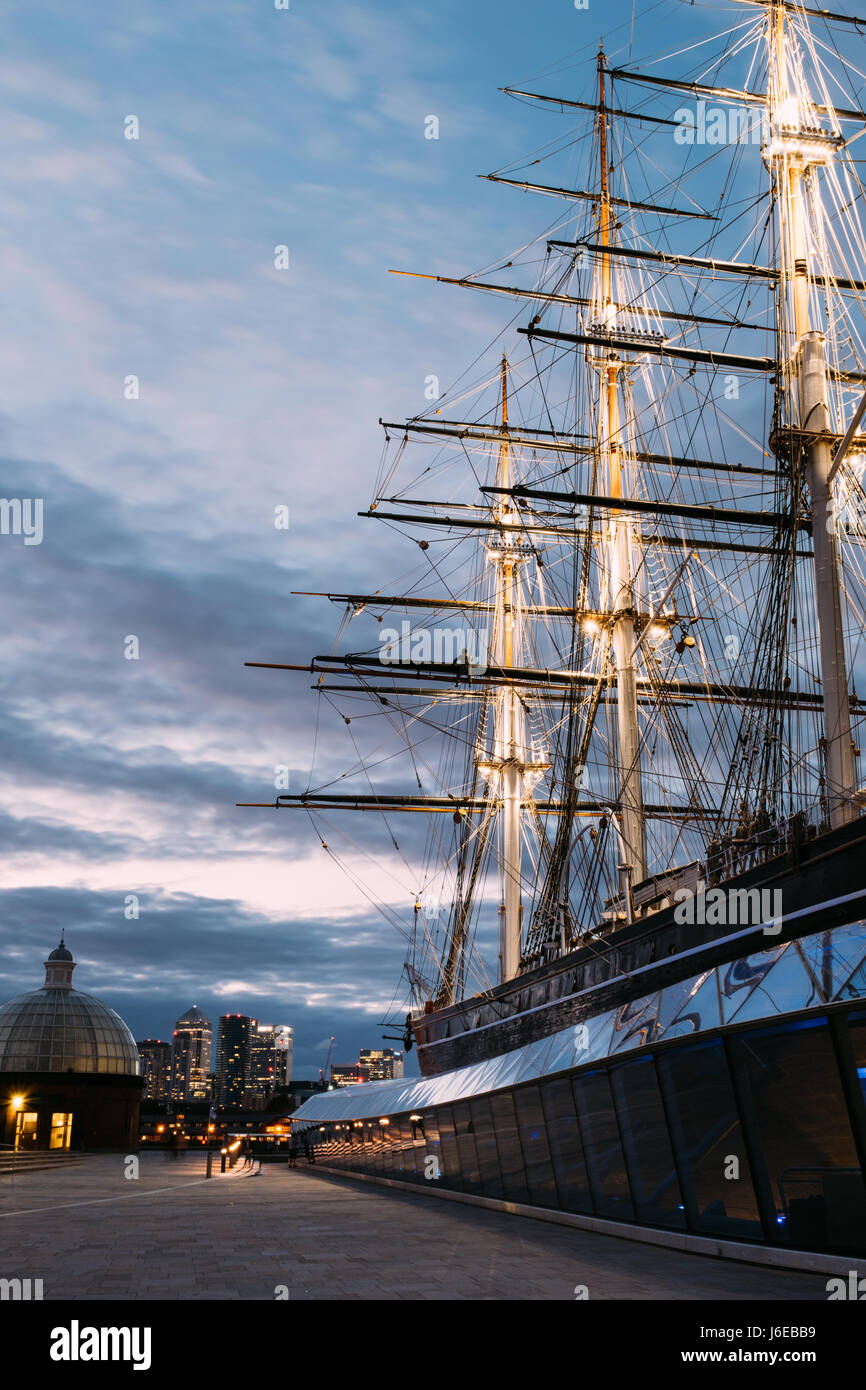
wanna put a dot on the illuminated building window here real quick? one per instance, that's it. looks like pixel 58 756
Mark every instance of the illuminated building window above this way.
pixel 26 1123
pixel 61 1129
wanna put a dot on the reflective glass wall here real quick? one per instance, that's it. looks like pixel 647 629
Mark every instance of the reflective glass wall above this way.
pixel 756 1134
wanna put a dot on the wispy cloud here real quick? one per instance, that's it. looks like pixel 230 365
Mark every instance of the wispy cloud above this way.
pixel 153 259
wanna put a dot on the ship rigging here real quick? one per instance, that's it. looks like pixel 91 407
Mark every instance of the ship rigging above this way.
pixel 651 532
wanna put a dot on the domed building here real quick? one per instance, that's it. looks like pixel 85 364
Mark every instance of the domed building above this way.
pixel 69 1068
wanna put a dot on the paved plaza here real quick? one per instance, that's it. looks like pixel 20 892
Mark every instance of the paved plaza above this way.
pixel 90 1233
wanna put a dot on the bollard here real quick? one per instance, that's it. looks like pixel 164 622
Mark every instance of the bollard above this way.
pixel 222 1161
pixel 209 1168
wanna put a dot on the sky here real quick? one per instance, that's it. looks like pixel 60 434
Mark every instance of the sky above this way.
pixel 165 386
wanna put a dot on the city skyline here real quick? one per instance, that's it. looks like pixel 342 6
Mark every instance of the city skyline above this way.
pixel 269 1052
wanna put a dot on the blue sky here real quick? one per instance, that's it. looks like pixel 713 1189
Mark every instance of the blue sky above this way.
pixel 258 387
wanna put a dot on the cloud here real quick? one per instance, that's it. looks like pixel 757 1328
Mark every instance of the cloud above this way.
pixel 257 388
pixel 223 957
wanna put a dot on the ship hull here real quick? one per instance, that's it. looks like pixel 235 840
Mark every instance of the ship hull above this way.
pixel 729 1103
pixel 818 880
pixel 690 1139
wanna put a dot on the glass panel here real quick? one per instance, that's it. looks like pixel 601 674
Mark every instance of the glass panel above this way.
pixel 857 1031
pixel 743 976
pixel 502 1071
pixel 855 986
pixel 585 1042
pixel 608 1179
pixel 592 1038
pixel 706 1131
pixel 485 1147
pixel 414 1146
pixel 451 1175
pixel 650 1159
pixel 674 999
pixel 636 1023
pixel 401 1142
pixel 699 1011
pixel 360 1148
pixel 835 955
pixel 508 1147
pixel 566 1147
pixel 375 1137
pixel 857 1027
pixel 533 1059
pixel 466 1147
pixel 793 1086
pixel 407 1154
pixel 396 1136
pixel 536 1154
pixel 562 1053
pixel 387 1157
pixel 785 988
pixel 374 1146
pixel 431 1149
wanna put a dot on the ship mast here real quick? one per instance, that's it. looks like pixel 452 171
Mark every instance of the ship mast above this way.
pixel 620 546
pixel 506 555
pixel 790 155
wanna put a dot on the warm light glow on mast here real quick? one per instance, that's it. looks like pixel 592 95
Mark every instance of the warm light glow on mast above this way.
pixel 791 153
pixel 509 719
pixel 619 547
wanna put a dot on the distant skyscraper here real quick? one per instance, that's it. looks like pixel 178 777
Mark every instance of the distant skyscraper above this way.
pixel 233 1059
pixel 385 1064
pixel 284 1044
pixel 155 1068
pixel 270 1066
pixel 191 1056
pixel 349 1073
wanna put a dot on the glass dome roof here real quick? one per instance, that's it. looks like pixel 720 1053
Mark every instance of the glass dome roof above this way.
pixel 63 1030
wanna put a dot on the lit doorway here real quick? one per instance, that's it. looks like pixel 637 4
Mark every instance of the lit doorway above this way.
pixel 61 1130
pixel 26 1124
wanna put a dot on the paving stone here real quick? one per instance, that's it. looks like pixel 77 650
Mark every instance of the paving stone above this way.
pixel 91 1234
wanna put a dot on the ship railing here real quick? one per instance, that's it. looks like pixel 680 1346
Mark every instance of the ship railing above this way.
pixel 749 847
pixel 730 855
pixel 733 853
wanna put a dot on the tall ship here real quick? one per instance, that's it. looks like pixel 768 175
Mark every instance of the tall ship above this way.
pixel 609 729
